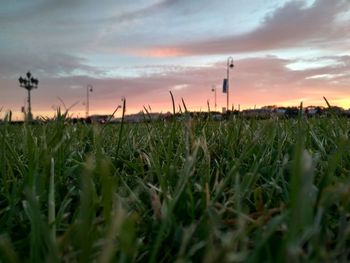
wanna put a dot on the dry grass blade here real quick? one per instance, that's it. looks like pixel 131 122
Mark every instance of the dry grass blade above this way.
pixel 156 204
pixel 329 105
pixel 173 101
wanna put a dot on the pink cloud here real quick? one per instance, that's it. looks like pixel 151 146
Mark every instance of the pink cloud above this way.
pixel 159 52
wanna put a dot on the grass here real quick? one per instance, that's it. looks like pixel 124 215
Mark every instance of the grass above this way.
pixel 177 191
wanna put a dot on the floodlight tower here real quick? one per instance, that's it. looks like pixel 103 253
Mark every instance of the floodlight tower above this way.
pixel 29 83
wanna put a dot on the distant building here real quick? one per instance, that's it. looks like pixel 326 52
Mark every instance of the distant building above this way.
pixel 280 111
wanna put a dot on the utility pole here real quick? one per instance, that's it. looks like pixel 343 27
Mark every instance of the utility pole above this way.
pixel 89 89
pixel 214 90
pixel 229 66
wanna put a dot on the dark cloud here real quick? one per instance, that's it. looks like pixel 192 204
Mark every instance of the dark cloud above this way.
pixel 292 25
pixel 45 64
pixel 144 11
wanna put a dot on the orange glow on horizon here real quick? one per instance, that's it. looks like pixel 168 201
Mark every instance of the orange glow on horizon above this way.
pixel 167 107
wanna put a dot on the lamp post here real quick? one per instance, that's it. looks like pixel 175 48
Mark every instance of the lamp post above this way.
pixel 213 89
pixel 229 66
pixel 29 83
pixel 88 90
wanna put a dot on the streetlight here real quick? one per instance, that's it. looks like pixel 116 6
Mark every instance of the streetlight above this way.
pixel 88 90
pixel 29 83
pixel 214 90
pixel 226 84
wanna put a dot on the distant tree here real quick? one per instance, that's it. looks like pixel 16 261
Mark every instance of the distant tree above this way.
pixel 269 107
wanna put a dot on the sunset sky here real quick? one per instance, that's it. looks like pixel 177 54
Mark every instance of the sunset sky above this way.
pixel 284 51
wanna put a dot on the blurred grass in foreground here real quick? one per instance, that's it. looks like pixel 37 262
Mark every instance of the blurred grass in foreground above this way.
pixel 178 191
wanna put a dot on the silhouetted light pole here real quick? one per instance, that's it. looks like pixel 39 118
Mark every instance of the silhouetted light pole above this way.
pixel 29 83
pixel 226 86
pixel 214 90
pixel 88 90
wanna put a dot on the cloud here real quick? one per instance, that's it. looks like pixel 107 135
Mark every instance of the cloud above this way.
pixel 142 12
pixel 292 25
pixel 180 86
pixel 44 64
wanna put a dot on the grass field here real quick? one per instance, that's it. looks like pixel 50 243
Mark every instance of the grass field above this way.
pixel 177 191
